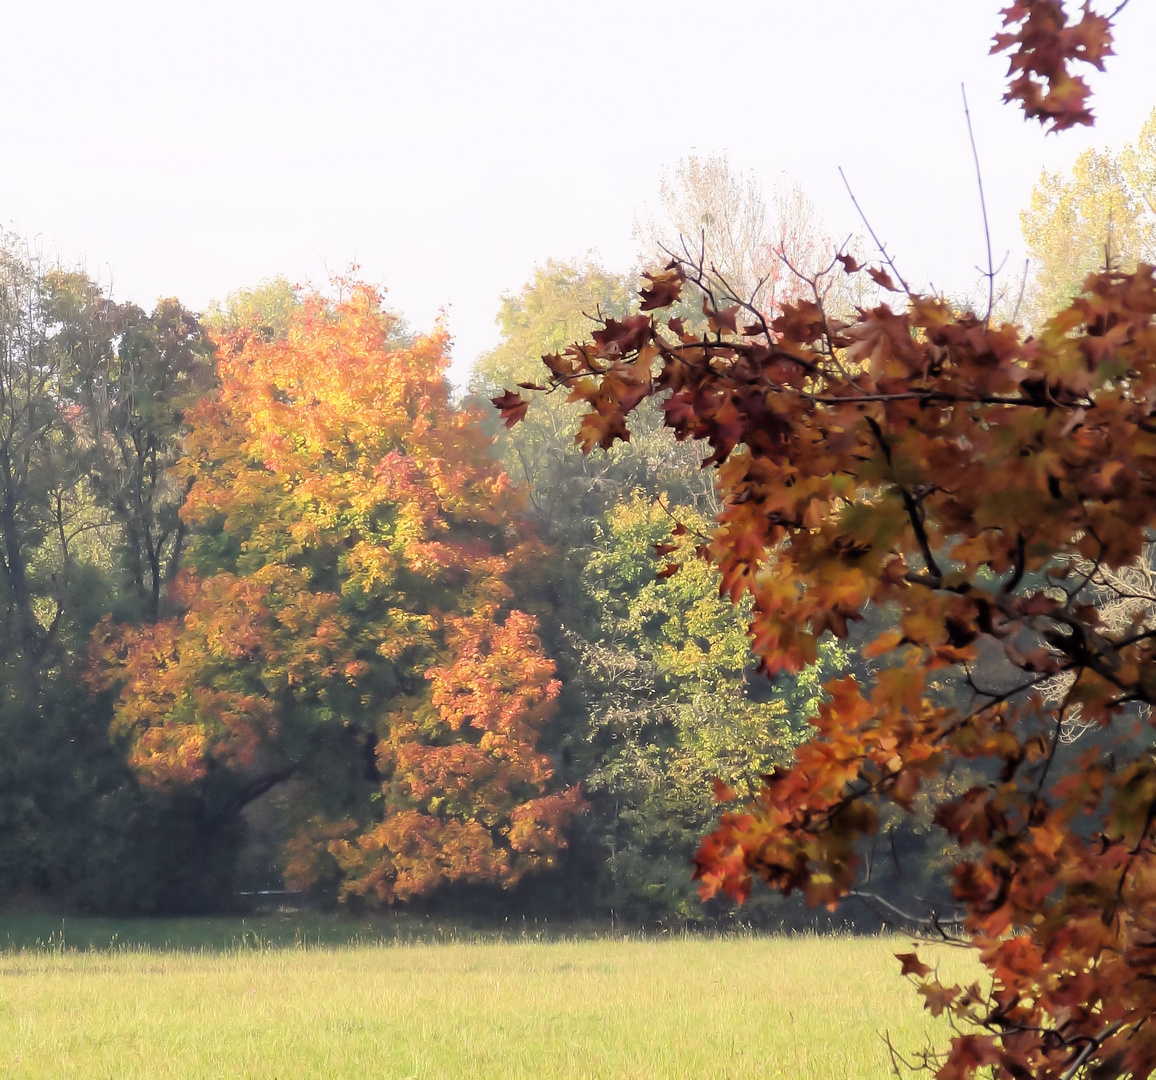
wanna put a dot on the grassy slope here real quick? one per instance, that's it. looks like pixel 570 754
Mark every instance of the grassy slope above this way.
pixel 798 1008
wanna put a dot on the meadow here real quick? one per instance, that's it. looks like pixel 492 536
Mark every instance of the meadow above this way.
pixel 263 1004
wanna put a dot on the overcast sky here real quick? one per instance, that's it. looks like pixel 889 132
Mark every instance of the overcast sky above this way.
pixel 190 148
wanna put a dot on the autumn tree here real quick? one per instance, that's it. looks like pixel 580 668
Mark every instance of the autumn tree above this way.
pixel 346 624
pixel 1101 214
pixel 961 472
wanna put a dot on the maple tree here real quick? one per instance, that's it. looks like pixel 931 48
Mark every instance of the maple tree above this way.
pixel 345 623
pixel 989 487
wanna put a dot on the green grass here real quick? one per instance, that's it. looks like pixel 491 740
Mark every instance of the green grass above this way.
pixel 282 929
pixel 680 1007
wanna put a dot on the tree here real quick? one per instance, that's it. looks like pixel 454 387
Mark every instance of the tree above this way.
pixel 673 704
pixel 35 479
pixel 624 844
pixel 958 471
pixel 717 216
pixel 74 825
pixel 345 623
pixel 267 309
pixel 131 379
pixel 1102 214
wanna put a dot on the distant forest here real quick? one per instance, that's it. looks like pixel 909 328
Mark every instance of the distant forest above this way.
pixel 288 613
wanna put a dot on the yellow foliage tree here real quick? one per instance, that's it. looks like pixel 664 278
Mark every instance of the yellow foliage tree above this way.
pixel 347 623
pixel 1103 212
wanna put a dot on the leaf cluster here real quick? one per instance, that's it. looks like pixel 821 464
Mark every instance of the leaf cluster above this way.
pixel 919 458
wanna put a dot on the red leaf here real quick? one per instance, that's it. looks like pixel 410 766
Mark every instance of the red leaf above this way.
pixel 511 406
pixel 664 289
pixel 723 793
pixel 881 278
pixel 912 965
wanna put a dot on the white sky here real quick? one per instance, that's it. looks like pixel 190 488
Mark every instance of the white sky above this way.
pixel 188 148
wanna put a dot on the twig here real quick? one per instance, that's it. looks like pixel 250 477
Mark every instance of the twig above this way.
pixel 983 208
pixel 878 243
pixel 1020 299
pixel 932 921
pixel 1093 1043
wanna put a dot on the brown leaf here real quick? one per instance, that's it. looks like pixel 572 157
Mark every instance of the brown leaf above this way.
pixel 617 338
pixel 912 965
pixel 721 319
pixel 511 406
pixel 664 289
pixel 881 278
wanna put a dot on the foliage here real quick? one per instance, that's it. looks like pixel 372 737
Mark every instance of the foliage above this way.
pixel 957 471
pixel 267 309
pixel 1101 215
pixel 131 379
pixel 91 412
pixel 627 724
pixel 923 459
pixel 36 484
pixel 1044 47
pixel 673 704
pixel 570 492
pixel 346 622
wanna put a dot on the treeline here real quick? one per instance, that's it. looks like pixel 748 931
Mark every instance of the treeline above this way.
pixel 92 399
pixel 277 616
pixel 282 611
pixel 283 614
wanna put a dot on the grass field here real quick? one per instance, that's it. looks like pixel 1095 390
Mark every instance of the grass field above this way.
pixel 681 1007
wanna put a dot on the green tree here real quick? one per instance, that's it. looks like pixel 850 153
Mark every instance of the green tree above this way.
pixel 74 825
pixel 265 308
pixel 571 491
pixel 644 724
pixel 674 702
pixel 130 379
pixel 35 479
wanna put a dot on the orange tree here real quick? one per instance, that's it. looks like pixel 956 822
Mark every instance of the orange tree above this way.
pixel 989 487
pixel 346 624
